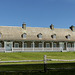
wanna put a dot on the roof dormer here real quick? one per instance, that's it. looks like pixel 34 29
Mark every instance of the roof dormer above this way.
pixel 54 36
pixel 72 28
pixel 68 36
pixel 24 35
pixel 39 36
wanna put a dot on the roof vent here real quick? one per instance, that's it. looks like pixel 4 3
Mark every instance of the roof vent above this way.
pixel 52 26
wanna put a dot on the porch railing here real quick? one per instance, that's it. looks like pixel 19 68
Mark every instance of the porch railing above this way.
pixel 2 49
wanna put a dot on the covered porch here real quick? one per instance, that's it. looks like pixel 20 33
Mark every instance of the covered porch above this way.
pixel 34 46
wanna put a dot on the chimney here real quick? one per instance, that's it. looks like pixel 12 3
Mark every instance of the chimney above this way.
pixel 24 25
pixel 72 28
pixel 52 26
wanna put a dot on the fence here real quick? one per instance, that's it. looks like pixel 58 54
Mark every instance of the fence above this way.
pixel 44 60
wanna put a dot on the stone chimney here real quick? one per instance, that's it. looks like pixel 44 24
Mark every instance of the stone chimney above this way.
pixel 24 26
pixel 72 28
pixel 52 27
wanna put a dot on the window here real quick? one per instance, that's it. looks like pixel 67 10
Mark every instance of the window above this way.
pixel 16 45
pixel 32 45
pixel 54 44
pixel 0 45
pixel 40 36
pixel 24 35
pixel 25 45
pixel 47 45
pixel 72 44
pixel 40 45
pixel 68 37
pixel 69 45
pixel 54 36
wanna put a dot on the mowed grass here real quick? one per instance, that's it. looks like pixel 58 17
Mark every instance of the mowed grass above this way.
pixel 35 56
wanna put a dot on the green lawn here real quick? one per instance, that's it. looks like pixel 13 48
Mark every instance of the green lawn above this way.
pixel 35 65
pixel 35 56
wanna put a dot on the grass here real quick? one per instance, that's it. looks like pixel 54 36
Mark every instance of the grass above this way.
pixel 32 66
pixel 36 56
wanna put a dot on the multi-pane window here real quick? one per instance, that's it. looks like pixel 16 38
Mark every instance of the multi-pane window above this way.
pixel 54 44
pixel 72 44
pixel 54 36
pixel 24 35
pixel 69 45
pixel 16 45
pixel 32 45
pixel 47 45
pixel 68 36
pixel 40 36
pixel 25 45
pixel 40 45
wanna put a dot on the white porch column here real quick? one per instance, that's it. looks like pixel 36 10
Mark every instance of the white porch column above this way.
pixel 52 46
pixel 5 45
pixel 22 45
pixel 74 46
pixel 66 46
pixel 33 45
pixel 43 45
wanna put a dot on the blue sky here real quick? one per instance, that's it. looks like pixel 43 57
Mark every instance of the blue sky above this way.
pixel 37 13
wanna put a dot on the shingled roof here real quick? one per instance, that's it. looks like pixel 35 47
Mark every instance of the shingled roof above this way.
pixel 15 33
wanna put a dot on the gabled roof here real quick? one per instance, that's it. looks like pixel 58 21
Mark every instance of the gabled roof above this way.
pixel 14 33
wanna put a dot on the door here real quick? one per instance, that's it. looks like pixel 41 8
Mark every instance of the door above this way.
pixel 62 45
pixel 8 46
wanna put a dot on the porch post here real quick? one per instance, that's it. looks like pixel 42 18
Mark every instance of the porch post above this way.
pixel 74 46
pixel 52 46
pixel 22 45
pixel 66 46
pixel 5 45
pixel 33 46
pixel 43 45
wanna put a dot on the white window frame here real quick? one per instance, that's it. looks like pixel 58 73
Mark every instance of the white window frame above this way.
pixel 54 36
pixel 24 35
pixel 54 44
pixel 69 45
pixel 17 44
pixel 1 45
pixel 47 45
pixel 25 44
pixel 40 36
pixel 69 37
pixel 40 45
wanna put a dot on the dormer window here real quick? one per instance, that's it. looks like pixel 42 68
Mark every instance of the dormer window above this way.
pixel 40 36
pixel 24 35
pixel 54 36
pixel 68 37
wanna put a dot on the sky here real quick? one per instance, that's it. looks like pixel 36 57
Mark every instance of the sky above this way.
pixel 37 13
